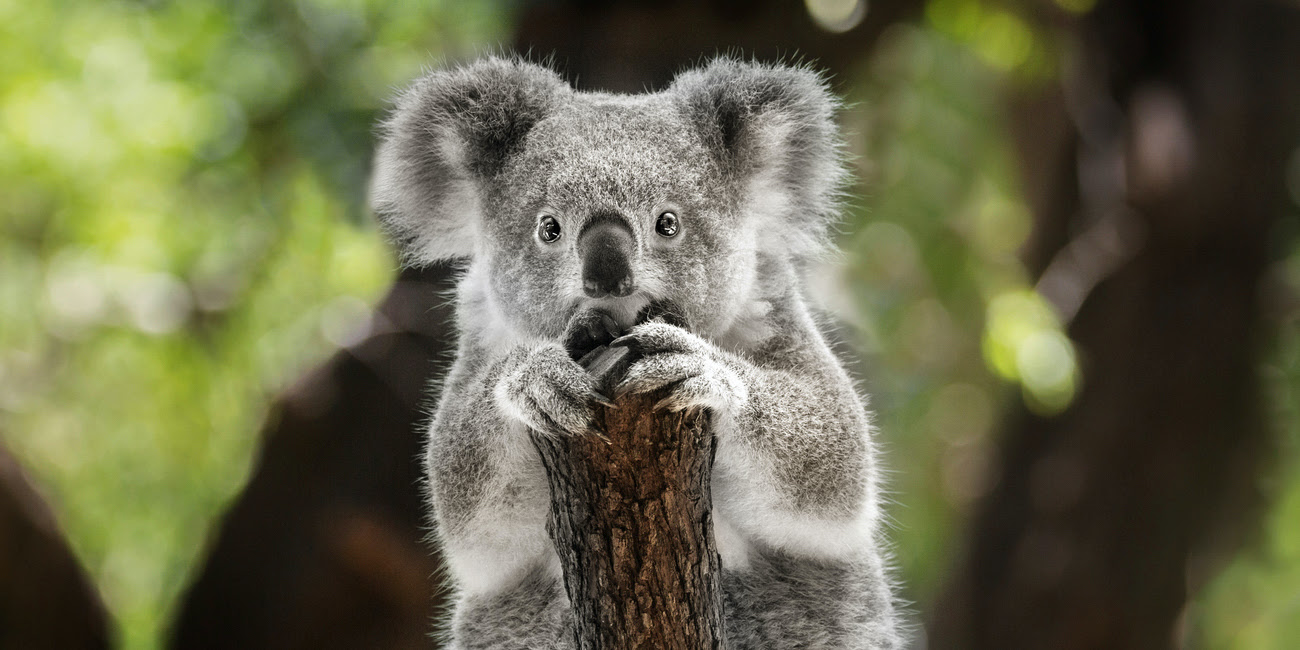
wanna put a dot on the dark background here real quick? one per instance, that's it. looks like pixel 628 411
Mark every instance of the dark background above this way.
pixel 1069 284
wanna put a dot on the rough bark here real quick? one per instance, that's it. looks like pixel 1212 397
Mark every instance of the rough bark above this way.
pixel 631 519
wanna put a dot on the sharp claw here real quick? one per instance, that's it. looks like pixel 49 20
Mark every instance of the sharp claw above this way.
pixel 619 391
pixel 621 342
pixel 626 388
pixel 672 405
pixel 599 398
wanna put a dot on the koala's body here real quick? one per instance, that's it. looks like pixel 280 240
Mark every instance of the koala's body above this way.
pixel 580 212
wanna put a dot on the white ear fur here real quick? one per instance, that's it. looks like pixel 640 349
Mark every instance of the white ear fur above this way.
pixel 772 128
pixel 428 223
pixel 769 201
pixel 447 136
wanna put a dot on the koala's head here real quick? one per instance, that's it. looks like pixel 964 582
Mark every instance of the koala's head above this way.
pixel 564 200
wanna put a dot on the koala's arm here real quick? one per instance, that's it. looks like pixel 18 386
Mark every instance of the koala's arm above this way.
pixel 794 465
pixel 795 460
pixel 487 484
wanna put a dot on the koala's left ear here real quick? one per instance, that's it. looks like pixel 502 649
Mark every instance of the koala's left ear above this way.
pixel 772 128
pixel 450 134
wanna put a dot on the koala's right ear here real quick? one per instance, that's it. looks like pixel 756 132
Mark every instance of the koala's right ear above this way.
pixel 449 133
pixel 772 128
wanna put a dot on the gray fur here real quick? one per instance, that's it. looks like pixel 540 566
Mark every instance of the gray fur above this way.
pixel 749 158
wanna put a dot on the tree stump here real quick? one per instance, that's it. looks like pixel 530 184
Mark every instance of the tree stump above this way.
pixel 631 519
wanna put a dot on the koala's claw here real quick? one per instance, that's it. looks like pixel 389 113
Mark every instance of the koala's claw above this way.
pixel 599 398
pixel 699 391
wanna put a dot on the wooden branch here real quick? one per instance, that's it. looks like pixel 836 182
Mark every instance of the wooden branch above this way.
pixel 631 519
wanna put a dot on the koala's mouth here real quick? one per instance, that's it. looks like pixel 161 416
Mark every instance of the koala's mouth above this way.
pixel 597 323
pixel 623 310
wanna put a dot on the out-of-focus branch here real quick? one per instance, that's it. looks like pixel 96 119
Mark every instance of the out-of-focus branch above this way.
pixel 323 549
pixel 46 599
pixel 633 45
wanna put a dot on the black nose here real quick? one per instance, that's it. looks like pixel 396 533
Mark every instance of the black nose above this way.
pixel 606 246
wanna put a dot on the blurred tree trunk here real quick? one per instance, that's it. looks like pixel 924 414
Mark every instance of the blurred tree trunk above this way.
pixel 1156 176
pixel 46 599
pixel 324 547
pixel 635 45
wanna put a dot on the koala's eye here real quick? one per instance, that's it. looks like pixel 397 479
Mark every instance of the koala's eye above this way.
pixel 548 229
pixel 667 224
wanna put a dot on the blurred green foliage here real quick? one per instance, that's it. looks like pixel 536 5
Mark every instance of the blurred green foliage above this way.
pixel 1254 602
pixel 183 232
pixel 934 242
pixel 950 321
pixel 953 328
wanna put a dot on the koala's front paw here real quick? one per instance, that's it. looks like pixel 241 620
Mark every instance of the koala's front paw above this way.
pixel 549 392
pixel 672 357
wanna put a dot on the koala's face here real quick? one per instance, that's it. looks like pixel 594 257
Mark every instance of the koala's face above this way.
pixel 565 200
pixel 612 203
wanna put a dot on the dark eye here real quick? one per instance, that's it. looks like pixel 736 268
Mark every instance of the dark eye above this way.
pixel 548 229
pixel 667 224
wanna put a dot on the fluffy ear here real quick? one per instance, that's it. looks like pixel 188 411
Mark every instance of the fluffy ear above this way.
pixel 449 133
pixel 772 130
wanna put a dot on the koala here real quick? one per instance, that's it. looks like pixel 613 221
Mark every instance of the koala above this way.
pixel 574 215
